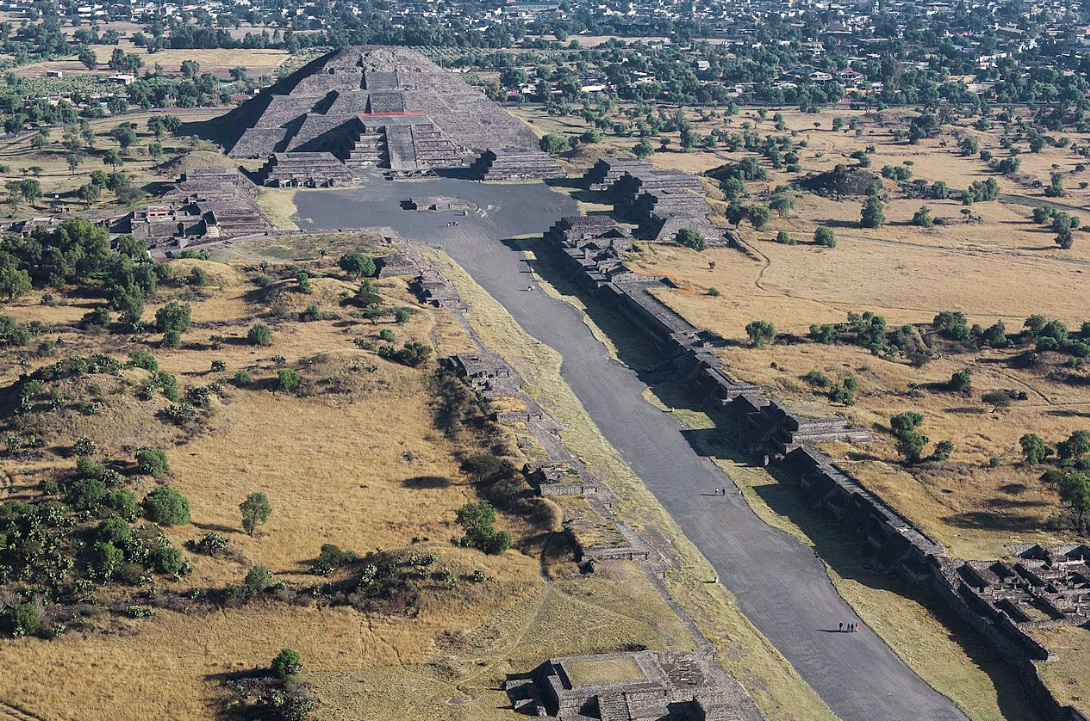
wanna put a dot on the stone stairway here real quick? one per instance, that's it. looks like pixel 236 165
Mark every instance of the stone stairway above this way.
pixel 434 150
pixel 366 148
pixel 400 150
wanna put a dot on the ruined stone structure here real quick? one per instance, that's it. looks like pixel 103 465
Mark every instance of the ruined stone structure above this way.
pixel 896 544
pixel 662 202
pixel 607 171
pixel 396 264
pixel 434 289
pixel 559 479
pixel 486 373
pixel 640 686
pixel 438 203
pixel 206 204
pixel 372 106
pixel 515 164
pixel 769 426
pixel 306 170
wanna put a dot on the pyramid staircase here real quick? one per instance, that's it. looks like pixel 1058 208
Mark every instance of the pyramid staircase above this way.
pixel 365 147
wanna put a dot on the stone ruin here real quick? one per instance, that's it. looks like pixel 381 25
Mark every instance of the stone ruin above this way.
pixel 515 164
pixel 1038 588
pixel 637 686
pixel 439 203
pixel 661 202
pixel 607 171
pixel 560 479
pixel 769 426
pixel 897 546
pixel 371 106
pixel 396 264
pixel 206 204
pixel 433 288
pixel 305 170
pixel 486 373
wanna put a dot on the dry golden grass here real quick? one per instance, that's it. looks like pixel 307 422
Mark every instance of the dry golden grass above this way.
pixel 595 671
pixel 219 61
pixel 1065 674
pixel 361 468
pixel 57 179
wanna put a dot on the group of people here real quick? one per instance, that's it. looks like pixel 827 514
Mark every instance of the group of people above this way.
pixel 849 627
pixel 720 491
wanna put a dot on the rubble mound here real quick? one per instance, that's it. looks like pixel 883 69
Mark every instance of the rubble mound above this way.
pixel 841 180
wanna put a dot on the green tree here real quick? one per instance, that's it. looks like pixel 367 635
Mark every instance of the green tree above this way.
pixel 1075 447
pixel 173 317
pixel 255 511
pixel 824 236
pixel 26 619
pixel 1034 449
pixel 356 264
pixel 258 579
pixel 1074 490
pixel 996 399
pixel 961 381
pixel 112 158
pixel 14 283
pixel 644 149
pixel 259 335
pixel 166 507
pixel 553 143
pixel 922 217
pixel 759 215
pixel 89 193
pixel 760 332
pixel 152 461
pixel 287 663
pixel 781 204
pixel 287 379
pixel 367 296
pixel 910 442
pixel 691 239
pixel 591 136
pixel 872 216
pixel 478 521
pixel 124 135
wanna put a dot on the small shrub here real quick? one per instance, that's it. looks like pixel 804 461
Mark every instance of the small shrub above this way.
pixel 151 461
pixel 259 335
pixel 258 579
pixel 287 379
pixel 824 237
pixel 166 507
pixel 287 663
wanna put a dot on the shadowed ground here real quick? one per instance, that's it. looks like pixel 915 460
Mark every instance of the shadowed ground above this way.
pixel 780 585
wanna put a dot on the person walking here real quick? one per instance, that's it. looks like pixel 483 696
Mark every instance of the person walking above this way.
pixel 841 627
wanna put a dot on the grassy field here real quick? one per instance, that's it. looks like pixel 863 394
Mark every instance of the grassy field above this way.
pixel 59 183
pixel 362 468
pixel 999 267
